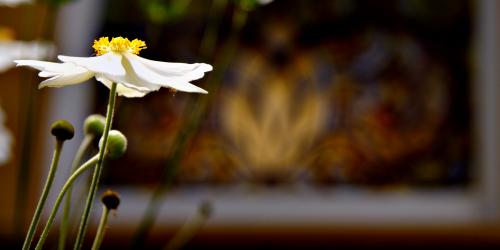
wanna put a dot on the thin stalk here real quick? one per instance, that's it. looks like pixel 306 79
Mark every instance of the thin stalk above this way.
pixel 43 197
pixel 188 230
pixel 101 229
pixel 209 39
pixel 194 121
pixel 67 186
pixel 97 171
pixel 28 105
pixel 30 31
pixel 63 232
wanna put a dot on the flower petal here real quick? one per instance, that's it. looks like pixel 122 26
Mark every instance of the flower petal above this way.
pixel 112 67
pixel 46 66
pixel 109 63
pixel 132 80
pixel 132 83
pixel 61 74
pixel 173 75
pixel 121 89
pixel 192 71
pixel 66 79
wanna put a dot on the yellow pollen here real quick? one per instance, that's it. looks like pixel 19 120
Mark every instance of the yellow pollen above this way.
pixel 118 44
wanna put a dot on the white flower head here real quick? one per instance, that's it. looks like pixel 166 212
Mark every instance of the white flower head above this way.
pixel 13 50
pixel 264 2
pixel 13 3
pixel 118 61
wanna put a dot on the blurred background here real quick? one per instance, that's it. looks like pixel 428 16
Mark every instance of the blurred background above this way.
pixel 329 123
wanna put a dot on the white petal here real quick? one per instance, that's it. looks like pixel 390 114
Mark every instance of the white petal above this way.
pixel 46 66
pixel 109 63
pixel 110 67
pixel 66 79
pixel 47 74
pixel 131 83
pixel 192 71
pixel 178 77
pixel 61 74
pixel 132 80
pixel 121 89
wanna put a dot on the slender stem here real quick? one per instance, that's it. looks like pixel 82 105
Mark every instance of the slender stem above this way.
pixel 63 232
pixel 29 104
pixel 196 113
pixel 60 196
pixel 209 40
pixel 97 171
pixel 187 232
pixel 24 171
pixel 101 229
pixel 43 197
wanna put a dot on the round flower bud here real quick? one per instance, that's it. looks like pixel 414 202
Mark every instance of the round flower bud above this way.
pixel 62 130
pixel 110 199
pixel 117 144
pixel 94 125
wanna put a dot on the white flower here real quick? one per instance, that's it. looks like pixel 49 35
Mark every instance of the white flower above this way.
pixel 117 61
pixel 5 140
pixel 13 50
pixel 13 3
pixel 264 2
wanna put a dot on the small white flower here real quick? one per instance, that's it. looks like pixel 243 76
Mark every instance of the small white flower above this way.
pixel 13 50
pixel 5 140
pixel 264 2
pixel 117 61
pixel 13 3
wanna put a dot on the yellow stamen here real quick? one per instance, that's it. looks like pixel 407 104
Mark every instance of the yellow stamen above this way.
pixel 118 44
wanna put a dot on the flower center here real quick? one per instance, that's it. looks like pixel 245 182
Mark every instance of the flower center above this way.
pixel 118 44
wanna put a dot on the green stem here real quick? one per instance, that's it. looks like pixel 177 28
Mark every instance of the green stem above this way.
pixel 187 232
pixel 30 31
pixel 101 229
pixel 209 40
pixel 182 138
pixel 63 231
pixel 97 171
pixel 60 196
pixel 27 105
pixel 43 197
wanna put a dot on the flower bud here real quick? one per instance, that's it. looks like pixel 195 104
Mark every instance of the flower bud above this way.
pixel 62 130
pixel 110 199
pixel 94 125
pixel 117 144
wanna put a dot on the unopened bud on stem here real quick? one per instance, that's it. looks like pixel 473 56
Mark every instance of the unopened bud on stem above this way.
pixel 117 144
pixel 62 130
pixel 94 125
pixel 110 199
